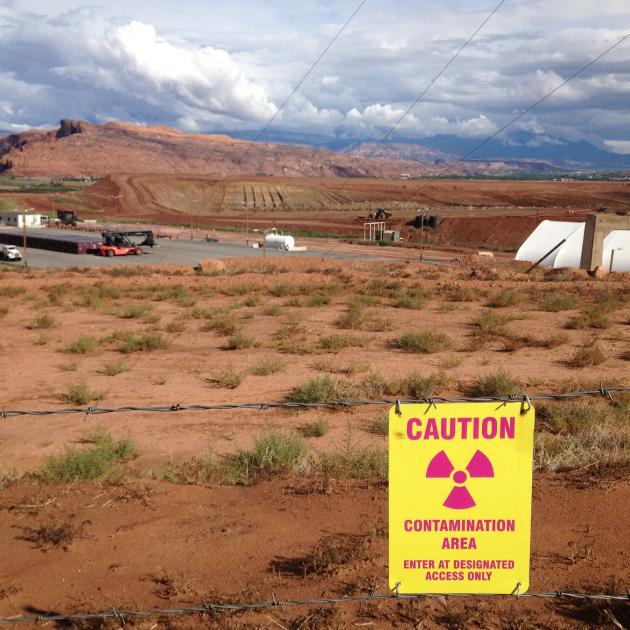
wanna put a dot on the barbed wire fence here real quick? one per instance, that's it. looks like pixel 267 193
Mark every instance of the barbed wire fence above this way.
pixel 213 608
pixel 524 399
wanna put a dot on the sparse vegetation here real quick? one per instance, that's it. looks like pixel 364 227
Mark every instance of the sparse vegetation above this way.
pixel 337 343
pixel 587 355
pixel 228 378
pixel 499 383
pixel 83 345
pixel 42 322
pixel 553 302
pixel 380 425
pixel 139 311
pixel 592 317
pixel 80 394
pixel 316 428
pixel 240 342
pixel 267 366
pixel 509 297
pixel 113 368
pixel 274 454
pixel 321 389
pixel 130 342
pixel 426 342
pixel 100 461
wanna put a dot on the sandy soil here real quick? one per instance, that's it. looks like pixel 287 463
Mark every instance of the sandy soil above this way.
pixel 143 543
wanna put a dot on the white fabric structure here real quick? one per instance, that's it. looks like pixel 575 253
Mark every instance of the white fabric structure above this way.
pixel 550 233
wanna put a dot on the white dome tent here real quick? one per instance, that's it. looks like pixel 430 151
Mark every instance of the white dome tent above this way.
pixel 551 233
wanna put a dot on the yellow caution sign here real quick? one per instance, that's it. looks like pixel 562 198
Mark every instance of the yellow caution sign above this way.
pixel 460 494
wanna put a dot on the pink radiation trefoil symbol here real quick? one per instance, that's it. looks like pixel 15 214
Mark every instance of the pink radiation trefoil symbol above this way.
pixel 440 467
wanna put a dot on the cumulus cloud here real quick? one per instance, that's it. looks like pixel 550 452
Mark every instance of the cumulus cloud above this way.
pixel 229 65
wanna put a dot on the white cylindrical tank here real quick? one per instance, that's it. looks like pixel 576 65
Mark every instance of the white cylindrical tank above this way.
pixel 280 241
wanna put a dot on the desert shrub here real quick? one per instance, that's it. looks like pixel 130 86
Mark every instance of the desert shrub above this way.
pixel 67 367
pixel 98 462
pixel 459 293
pixel 318 299
pixel 267 366
pixel 415 385
pixel 11 291
pixel 355 316
pixel 272 310
pixel 509 297
pixel 321 389
pixel 380 424
pixel 200 312
pixel 139 311
pixel 4 310
pixel 175 326
pixel 252 300
pixel 79 394
pixel 578 433
pixel 331 553
pixel 591 317
pixel 200 471
pixel 350 369
pixel 240 342
pixel 42 322
pixel 223 323
pixel 228 378
pixel 285 289
pixel 409 298
pixel 113 368
pixel 499 383
pixel 94 296
pixel 316 428
pixel 426 342
pixel 587 356
pixel 130 342
pixel 554 302
pixel 450 362
pixel 336 343
pixel 83 345
pixel 489 324
pixel 274 454
pixel 242 288
pixel 353 462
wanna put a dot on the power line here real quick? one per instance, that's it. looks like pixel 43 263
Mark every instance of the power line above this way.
pixel 308 72
pixel 211 609
pixel 340 404
pixel 440 73
pixel 534 105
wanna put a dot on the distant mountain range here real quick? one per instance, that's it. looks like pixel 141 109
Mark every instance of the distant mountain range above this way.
pixel 82 149
pixel 516 146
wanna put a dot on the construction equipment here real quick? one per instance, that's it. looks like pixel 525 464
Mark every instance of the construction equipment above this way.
pixel 119 244
pixel 380 214
pixel 67 217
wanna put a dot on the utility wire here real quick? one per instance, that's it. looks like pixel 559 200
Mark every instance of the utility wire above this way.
pixel 341 404
pixel 422 94
pixel 534 105
pixel 308 72
pixel 212 609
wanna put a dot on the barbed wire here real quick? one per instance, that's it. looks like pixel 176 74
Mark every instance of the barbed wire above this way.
pixel 209 608
pixel 334 404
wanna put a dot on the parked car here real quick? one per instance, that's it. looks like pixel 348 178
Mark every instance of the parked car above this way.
pixel 10 252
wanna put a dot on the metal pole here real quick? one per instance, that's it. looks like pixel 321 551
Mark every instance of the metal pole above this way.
pixel 24 239
pixel 551 251
pixel 612 258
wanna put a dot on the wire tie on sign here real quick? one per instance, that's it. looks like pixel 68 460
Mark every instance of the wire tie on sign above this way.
pixel 176 407
pixel 525 401
pixel 428 400
pixel 517 590
pixel 396 589
pixel 398 411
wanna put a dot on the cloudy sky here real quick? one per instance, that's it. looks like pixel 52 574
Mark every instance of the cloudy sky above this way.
pixel 212 65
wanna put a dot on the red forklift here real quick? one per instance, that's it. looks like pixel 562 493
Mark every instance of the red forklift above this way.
pixel 119 244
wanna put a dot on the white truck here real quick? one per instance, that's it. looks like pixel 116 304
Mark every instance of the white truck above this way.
pixel 10 252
